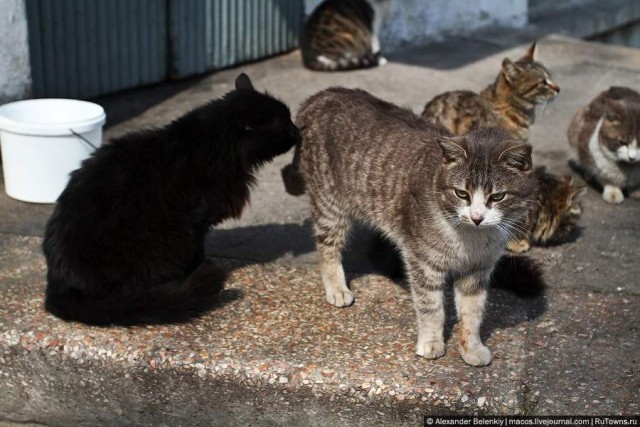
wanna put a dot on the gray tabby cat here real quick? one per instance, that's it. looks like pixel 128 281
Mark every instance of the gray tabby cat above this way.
pixel 448 203
pixel 605 135
pixel 343 35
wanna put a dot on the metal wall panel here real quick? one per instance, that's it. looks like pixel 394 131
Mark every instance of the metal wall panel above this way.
pixel 212 34
pixel 84 48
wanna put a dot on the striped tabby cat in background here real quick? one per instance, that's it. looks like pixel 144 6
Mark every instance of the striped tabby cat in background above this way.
pixel 508 103
pixel 343 35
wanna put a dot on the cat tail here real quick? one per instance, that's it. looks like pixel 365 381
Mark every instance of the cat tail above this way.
pixel 344 63
pixel 291 175
pixel 171 302
pixel 520 275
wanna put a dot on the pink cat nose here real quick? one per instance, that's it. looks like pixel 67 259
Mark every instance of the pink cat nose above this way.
pixel 477 220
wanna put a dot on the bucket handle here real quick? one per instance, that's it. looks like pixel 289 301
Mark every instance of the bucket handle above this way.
pixel 83 138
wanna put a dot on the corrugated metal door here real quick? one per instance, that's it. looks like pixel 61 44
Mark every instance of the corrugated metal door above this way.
pixel 85 48
pixel 212 34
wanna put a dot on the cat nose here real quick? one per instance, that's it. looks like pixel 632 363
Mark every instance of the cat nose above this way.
pixel 476 219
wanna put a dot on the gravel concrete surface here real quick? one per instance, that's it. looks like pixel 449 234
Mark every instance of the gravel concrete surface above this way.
pixel 274 353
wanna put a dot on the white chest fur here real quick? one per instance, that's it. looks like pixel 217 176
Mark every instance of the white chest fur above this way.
pixel 611 171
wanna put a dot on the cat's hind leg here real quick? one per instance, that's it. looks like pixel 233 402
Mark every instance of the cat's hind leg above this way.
pixel 471 296
pixel 331 227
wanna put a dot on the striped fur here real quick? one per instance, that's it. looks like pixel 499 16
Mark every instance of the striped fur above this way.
pixel 554 216
pixel 343 35
pixel 508 103
pixel 398 174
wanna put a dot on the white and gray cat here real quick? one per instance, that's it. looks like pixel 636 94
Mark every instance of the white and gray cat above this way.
pixel 344 35
pixel 448 203
pixel 605 135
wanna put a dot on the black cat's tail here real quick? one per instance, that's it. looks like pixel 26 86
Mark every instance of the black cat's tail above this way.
pixel 172 302
pixel 291 175
pixel 519 274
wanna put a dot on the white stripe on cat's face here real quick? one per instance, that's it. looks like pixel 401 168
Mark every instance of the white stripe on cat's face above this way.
pixel 477 213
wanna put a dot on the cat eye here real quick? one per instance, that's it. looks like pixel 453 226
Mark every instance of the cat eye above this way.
pixel 496 197
pixel 623 142
pixel 462 194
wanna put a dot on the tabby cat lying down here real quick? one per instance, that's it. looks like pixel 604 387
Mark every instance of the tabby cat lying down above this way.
pixel 344 35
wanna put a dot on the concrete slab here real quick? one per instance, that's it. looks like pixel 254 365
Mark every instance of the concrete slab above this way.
pixel 273 336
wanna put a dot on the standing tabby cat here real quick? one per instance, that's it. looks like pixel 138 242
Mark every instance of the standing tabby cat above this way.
pixel 343 35
pixel 508 103
pixel 125 243
pixel 605 135
pixel 447 203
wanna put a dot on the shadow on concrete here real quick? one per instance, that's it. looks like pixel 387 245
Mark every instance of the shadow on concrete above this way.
pixel 456 52
pixel 124 105
pixel 518 287
pixel 260 243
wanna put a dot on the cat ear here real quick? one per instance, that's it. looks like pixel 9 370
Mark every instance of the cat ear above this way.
pixel 452 149
pixel 613 109
pixel 516 155
pixel 510 70
pixel 243 82
pixel 531 52
pixel 576 192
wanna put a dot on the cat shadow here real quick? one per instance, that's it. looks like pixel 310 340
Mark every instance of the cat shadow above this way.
pixel 517 293
pixel 263 243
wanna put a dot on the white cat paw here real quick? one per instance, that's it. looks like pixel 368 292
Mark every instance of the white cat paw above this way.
pixel 382 61
pixel 612 194
pixel 340 297
pixel 635 194
pixel 478 355
pixel 430 349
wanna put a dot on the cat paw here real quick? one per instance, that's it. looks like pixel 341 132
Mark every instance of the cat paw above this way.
pixel 519 246
pixel 479 355
pixel 635 194
pixel 612 194
pixel 430 349
pixel 340 297
pixel 382 61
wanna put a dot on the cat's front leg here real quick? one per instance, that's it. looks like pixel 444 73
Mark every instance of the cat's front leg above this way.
pixel 331 233
pixel 470 296
pixel 426 290
pixel 612 194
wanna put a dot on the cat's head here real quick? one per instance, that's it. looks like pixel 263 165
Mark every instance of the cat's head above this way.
pixel 620 130
pixel 560 205
pixel 529 79
pixel 485 180
pixel 262 122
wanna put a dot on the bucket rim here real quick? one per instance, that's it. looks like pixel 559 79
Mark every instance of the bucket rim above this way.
pixel 93 119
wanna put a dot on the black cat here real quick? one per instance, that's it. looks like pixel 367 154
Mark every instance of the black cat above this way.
pixel 125 244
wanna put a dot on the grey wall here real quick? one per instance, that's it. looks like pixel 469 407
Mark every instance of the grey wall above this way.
pixel 15 72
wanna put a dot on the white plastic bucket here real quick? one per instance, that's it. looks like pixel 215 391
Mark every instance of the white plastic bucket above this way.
pixel 39 148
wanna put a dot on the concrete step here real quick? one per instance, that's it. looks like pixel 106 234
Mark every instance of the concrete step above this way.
pixel 274 352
